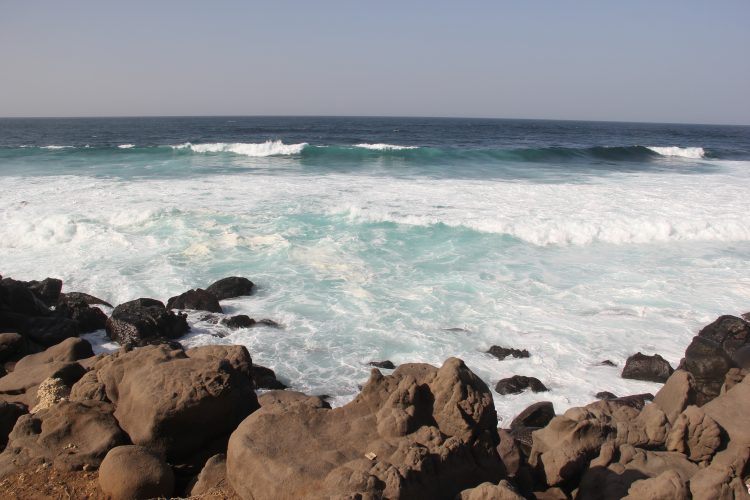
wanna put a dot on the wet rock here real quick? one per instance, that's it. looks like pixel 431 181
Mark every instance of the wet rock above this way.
pixel 233 286
pixel 20 300
pixel 137 322
pixel 649 368
pixel 90 319
pixel 519 383
pixel 134 472
pixel 238 321
pixel 47 290
pixel 83 297
pixel 503 352
pixel 387 364
pixel 605 395
pixel 265 378
pixel 637 401
pixel 199 300
pixel 537 415
pixel 607 362
pixel 421 432
pixel 711 353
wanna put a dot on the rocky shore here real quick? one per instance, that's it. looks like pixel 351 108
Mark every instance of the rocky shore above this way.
pixel 156 420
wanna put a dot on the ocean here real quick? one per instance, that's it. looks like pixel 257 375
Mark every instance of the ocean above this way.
pixel 406 239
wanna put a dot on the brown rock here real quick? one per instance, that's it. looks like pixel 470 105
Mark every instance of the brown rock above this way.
pixel 509 452
pixel 676 394
pixel 695 434
pixel 9 413
pixel 134 472
pixel 11 345
pixel 666 486
pixel 537 415
pixel 488 491
pixel 428 433
pixel 212 477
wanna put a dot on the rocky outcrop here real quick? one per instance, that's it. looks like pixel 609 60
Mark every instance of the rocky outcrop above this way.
pixel 519 383
pixel 199 300
pixel 83 297
pixel 245 321
pixel 90 319
pixel 537 415
pixel 47 290
pixel 265 378
pixel 678 392
pixel 503 352
pixel 420 432
pixel 649 368
pixel 134 472
pixel 711 355
pixel 140 321
pixel 695 434
pixel 385 365
pixel 233 286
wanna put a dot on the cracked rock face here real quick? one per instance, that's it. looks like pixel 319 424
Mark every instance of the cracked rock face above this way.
pixel 421 432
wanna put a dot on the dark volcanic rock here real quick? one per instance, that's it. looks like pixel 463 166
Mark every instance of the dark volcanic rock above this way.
pixel 20 300
pixel 11 346
pixel 607 362
pixel 238 321
pixel 47 290
pixel 199 300
pixel 503 352
pixel 233 286
pixel 605 395
pixel 90 319
pixel 518 383
pixel 265 378
pixel 537 415
pixel 85 297
pixel 649 368
pixel 387 364
pixel 132 472
pixel 712 353
pixel 141 320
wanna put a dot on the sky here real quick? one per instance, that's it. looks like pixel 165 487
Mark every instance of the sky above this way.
pixel 680 61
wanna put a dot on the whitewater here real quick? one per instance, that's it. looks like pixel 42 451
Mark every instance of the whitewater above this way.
pixel 369 244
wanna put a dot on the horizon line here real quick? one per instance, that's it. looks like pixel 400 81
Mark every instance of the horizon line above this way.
pixel 89 117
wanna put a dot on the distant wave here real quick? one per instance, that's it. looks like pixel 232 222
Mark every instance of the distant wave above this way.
pixel 384 147
pixel 694 153
pixel 56 147
pixel 126 146
pixel 268 148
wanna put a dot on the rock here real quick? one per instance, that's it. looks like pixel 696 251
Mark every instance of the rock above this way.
pixel 265 378
pixel 176 403
pixel 428 433
pixel 518 383
pixel 89 388
pixel 282 400
pixel 730 411
pixel 18 299
pixel 141 320
pixel 69 435
pixel 509 452
pixel 488 491
pixel 58 361
pixel 84 297
pixel 50 392
pixel 694 434
pixel 238 321
pixel 637 401
pixel 199 300
pixel 607 362
pixel 710 355
pixel 605 395
pixel 11 346
pixel 90 319
pixel 666 486
pixel 503 352
pixel 9 413
pixel 676 394
pixel 387 364
pixel 134 472
pixel 733 377
pixel 47 290
pixel 721 480
pixel 537 415
pixel 213 476
pixel 649 368
pixel 42 330
pixel 233 286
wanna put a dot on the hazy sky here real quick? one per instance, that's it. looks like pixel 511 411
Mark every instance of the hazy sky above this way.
pixel 666 61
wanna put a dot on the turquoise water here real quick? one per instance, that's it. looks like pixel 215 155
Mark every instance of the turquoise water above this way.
pixel 578 241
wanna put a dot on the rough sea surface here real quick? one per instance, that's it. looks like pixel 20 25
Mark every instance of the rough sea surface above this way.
pixel 399 238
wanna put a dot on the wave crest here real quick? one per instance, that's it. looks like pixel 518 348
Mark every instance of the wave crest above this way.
pixel 268 148
pixel 694 153
pixel 384 147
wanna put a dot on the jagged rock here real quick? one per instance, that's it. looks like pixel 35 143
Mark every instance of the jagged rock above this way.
pixel 47 290
pixel 488 491
pixel 730 411
pixel 387 364
pixel 518 383
pixel 90 319
pixel 199 300
pixel 650 368
pixel 710 355
pixel 69 435
pixel 509 452
pixel 175 402
pixel 421 432
pixel 605 395
pixel 138 321
pixel 503 352
pixel 212 477
pixel 666 486
pixel 694 434
pixel 537 415
pixel 233 286
pixel 134 472
pixel 84 297
pixel 723 479
pixel 58 361
pixel 733 377
pixel 265 378
pixel 9 413
pixel 676 394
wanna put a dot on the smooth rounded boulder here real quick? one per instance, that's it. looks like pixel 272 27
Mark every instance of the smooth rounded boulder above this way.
pixel 198 300
pixel 230 287
pixel 135 473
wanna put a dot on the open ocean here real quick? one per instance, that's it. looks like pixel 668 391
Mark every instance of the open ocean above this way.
pixel 397 238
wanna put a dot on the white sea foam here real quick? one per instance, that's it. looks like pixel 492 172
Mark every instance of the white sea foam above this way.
pixel 694 153
pixel 52 146
pixel 126 146
pixel 268 148
pixel 384 147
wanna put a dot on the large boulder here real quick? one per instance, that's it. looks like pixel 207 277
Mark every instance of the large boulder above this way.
pixel 676 394
pixel 421 432
pixel 140 321
pixel 233 286
pixel 711 354
pixel 20 300
pixel 134 473
pixel 176 403
pixel 90 319
pixel 199 300
pixel 649 368
pixel 537 415
pixel 85 297
pixel 694 434
pixel 70 435
pixel 47 290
